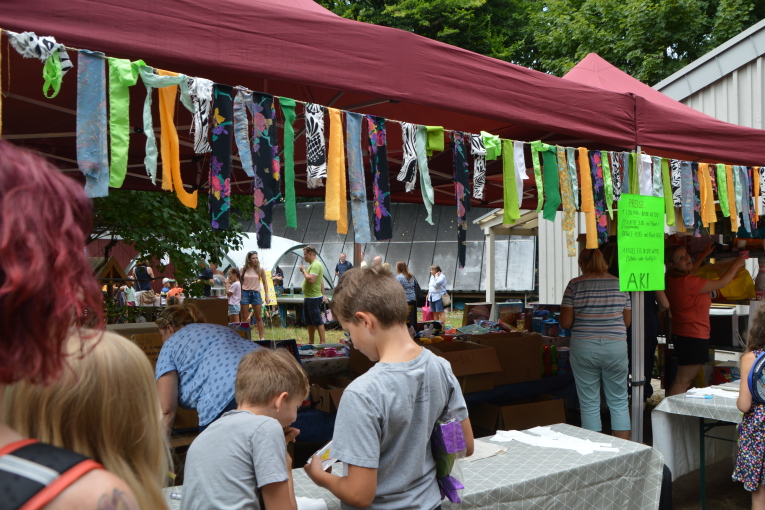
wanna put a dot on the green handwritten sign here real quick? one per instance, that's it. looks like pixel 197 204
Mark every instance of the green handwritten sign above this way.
pixel 641 243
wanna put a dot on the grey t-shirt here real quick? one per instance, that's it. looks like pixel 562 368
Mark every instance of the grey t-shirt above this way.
pixel 231 460
pixel 385 421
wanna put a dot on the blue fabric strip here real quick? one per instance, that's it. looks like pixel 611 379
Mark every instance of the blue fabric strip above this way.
pixel 92 132
pixel 356 183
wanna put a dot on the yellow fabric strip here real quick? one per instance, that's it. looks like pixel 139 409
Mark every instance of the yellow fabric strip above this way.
pixel 569 210
pixel 756 178
pixel 336 208
pixel 169 147
pixel 588 201
pixel 731 198
pixel 707 197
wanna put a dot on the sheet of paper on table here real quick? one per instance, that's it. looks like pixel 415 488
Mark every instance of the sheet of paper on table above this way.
pixel 484 450
pixel 713 391
pixel 310 504
pixel 545 437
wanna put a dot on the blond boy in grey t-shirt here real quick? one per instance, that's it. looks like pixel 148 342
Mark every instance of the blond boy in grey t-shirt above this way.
pixel 241 460
pixel 386 416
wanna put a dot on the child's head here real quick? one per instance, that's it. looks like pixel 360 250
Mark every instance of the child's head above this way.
pixel 233 274
pixel 263 375
pixel 756 341
pixel 373 291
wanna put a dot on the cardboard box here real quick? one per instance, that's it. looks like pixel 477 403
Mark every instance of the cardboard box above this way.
pixel 473 364
pixel 215 310
pixel 519 355
pixel 475 312
pixel 327 391
pixel 520 414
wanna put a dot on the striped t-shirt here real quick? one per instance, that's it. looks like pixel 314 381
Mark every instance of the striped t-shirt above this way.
pixel 598 307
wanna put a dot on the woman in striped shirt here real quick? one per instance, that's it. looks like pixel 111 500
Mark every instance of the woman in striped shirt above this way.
pixel 598 316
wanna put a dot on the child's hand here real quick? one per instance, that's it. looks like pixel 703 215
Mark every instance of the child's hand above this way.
pixel 314 470
pixel 290 433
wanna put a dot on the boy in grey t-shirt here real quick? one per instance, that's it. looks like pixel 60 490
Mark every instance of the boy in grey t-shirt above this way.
pixel 386 416
pixel 241 460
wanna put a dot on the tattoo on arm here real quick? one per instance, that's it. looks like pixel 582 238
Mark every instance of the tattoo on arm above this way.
pixel 114 501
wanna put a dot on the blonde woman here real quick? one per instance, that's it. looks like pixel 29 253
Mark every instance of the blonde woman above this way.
pixel 105 406
pixel 253 277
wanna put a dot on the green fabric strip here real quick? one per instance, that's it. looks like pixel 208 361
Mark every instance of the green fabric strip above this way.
pixel 511 207
pixel 722 190
pixel 52 75
pixel 434 140
pixel 290 208
pixel 669 208
pixel 535 148
pixel 633 174
pixel 551 185
pixel 608 182
pixel 122 76
pixel 493 145
pixel 426 187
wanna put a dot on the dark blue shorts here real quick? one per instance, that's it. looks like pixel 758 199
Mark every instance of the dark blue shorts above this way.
pixel 312 312
pixel 251 297
pixel 437 306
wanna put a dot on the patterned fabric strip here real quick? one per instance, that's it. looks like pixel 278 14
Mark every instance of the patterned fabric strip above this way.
pixel 315 149
pixel 686 192
pixel 697 223
pixel 335 204
pixel 493 145
pixel 634 174
pixel 122 75
pixel 478 151
pixel 461 192
pixel 358 188
pixel 511 208
pixel 200 90
pixel 47 50
pixel 669 206
pixel 588 201
pixel 732 204
pixel 599 195
pixel 569 211
pixel 92 134
pixel 676 180
pixel 535 148
pixel 756 186
pixel 625 172
pixel 408 172
pixel 219 199
pixel 571 157
pixel 743 188
pixel 519 162
pixel 607 183
pixel 658 187
pixel 421 143
pixel 722 189
pixel 265 160
pixel 378 159
pixel 242 130
pixel 616 174
pixel 290 207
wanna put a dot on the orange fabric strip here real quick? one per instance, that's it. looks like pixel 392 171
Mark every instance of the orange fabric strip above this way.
pixel 336 206
pixel 707 196
pixel 588 200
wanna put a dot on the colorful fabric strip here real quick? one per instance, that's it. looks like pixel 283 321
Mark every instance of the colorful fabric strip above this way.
pixel 732 204
pixel 408 172
pixel 626 172
pixel 669 207
pixel 219 198
pixel 92 135
pixel 242 130
pixel 599 196
pixel 750 197
pixel 478 151
pixel 535 148
pixel 588 201
pixel 707 199
pixel 358 188
pixel 519 162
pixel 434 140
pixel 634 173
pixel 511 208
pixel 676 182
pixel 378 160
pixel 686 192
pixel 315 150
pixel 290 208
pixel 200 90
pixel 616 174
pixel 607 183
pixel 265 159
pixel 552 191
pixel 697 222
pixel 421 143
pixel 492 144
pixel 658 190
pixel 646 175
pixel 756 185
pixel 572 177
pixel 569 212
pixel 722 189
pixel 47 50
pixel 743 186
pixel 336 206
pixel 122 75
pixel 461 193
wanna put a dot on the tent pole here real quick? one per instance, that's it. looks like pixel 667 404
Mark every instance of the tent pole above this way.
pixel 356 254
pixel 490 268
pixel 638 346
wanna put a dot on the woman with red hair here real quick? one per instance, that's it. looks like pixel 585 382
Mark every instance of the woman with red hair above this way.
pixel 46 295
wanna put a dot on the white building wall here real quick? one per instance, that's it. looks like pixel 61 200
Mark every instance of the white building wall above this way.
pixel 556 268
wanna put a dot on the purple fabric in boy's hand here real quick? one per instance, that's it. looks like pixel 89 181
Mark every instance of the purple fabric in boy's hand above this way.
pixel 449 487
pixel 449 437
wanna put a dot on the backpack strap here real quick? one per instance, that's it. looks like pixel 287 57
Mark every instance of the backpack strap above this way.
pixel 33 474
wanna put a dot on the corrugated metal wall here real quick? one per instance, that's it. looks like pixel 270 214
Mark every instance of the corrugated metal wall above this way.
pixel 556 268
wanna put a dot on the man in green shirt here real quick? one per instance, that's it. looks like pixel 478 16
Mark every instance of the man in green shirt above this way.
pixel 313 290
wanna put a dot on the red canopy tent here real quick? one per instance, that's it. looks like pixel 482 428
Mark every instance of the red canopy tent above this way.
pixel 668 128
pixel 296 48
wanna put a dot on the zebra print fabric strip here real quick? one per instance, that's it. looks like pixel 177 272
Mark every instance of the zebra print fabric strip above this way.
pixel 408 173
pixel 200 91
pixel 316 153
pixel 478 150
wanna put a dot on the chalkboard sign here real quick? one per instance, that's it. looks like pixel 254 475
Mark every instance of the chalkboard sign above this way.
pixel 521 262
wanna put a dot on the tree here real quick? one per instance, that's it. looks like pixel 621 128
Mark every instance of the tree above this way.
pixel 155 224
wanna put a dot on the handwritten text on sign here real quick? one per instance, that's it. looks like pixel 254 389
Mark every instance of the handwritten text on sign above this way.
pixel 641 243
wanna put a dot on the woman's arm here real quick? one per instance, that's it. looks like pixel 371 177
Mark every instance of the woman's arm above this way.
pixel 566 317
pixel 661 299
pixel 725 279
pixel 702 256
pixel 627 317
pixel 744 401
pixel 167 389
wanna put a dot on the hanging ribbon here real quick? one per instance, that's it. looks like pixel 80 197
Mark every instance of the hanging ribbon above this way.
pixel 461 193
pixel 616 174
pixel 676 182
pixel 220 165
pixel 511 208
pixel 588 202
pixel 572 177
pixel 625 171
pixel 569 212
pixel 290 208
pixel 658 190
pixel 743 187
pixel 378 159
pixel 242 99
pixel 607 184
pixel 265 159
pixel 756 186
pixel 408 172
pixel 646 174
pixel 200 91
pixel 122 75
pixel 478 151
pixel 722 189
pixel 435 139
pixel 358 188
pixel 519 162
pixel 168 141
pixel 420 146
pixel 732 204
pixel 669 208
pixel 599 196
pixel 47 50
pixel 750 197
pixel 92 141
pixel 336 206
pixel 535 148
pixel 697 223
pixel 315 151
pixel 686 192
pixel 492 144
pixel 634 174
